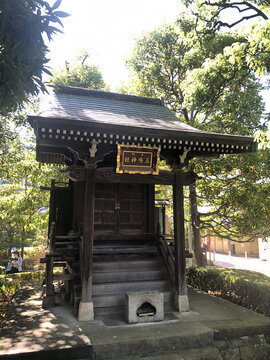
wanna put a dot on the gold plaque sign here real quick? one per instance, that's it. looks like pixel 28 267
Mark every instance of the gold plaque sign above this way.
pixel 133 159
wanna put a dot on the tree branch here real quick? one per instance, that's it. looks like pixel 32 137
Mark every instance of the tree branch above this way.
pixel 241 6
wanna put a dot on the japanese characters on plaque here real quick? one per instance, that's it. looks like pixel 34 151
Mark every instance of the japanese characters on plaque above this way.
pixel 132 159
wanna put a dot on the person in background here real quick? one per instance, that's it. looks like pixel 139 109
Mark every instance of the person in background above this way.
pixel 19 261
pixel 9 267
pixel 12 266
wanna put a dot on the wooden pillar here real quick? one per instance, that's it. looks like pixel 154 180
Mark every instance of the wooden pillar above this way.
pixel 52 214
pixel 49 298
pixel 86 310
pixel 78 206
pixel 181 299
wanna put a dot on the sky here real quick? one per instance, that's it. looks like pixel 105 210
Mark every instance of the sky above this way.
pixel 107 30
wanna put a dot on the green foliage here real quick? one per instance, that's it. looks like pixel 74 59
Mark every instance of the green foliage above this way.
pixel 23 206
pixel 23 50
pixel 263 139
pixel 29 259
pixel 236 188
pixel 198 79
pixel 21 277
pixel 7 291
pixel 79 75
pixel 246 288
pixel 209 81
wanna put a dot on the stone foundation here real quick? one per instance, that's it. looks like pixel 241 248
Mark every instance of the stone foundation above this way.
pixel 181 303
pixel 86 311
pixel 255 347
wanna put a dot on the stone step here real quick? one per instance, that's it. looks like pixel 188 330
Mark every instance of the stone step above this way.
pixel 124 287
pixel 137 275
pixel 61 253
pixel 116 300
pixel 132 286
pixel 127 264
pixel 156 342
pixel 66 243
pixel 202 353
pixel 67 237
pixel 125 250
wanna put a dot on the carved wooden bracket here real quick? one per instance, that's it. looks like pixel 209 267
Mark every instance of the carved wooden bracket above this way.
pixel 93 148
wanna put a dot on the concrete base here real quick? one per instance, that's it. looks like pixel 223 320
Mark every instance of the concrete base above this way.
pixel 135 300
pixel 48 301
pixel 86 311
pixel 181 303
pixel 214 329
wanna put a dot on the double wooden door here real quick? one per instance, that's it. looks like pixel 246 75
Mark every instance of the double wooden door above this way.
pixel 120 208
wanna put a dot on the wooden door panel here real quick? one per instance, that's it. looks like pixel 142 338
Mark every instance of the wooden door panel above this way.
pixel 129 217
pixel 136 218
pixel 105 216
pixel 131 199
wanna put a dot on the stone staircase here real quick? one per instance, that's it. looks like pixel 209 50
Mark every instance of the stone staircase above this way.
pixel 121 267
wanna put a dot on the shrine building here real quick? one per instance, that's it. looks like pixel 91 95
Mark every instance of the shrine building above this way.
pixel 103 230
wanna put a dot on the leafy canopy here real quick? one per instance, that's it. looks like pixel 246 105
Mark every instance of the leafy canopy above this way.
pixel 212 82
pixel 204 83
pixel 23 206
pixel 23 53
pixel 79 74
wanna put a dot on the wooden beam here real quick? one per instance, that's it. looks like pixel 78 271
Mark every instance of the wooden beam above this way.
pixel 179 234
pixel 184 135
pixel 108 175
pixel 88 234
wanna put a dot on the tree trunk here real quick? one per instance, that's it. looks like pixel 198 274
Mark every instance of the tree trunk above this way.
pixel 195 220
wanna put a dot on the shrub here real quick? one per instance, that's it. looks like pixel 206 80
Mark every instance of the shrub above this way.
pixel 31 258
pixel 246 288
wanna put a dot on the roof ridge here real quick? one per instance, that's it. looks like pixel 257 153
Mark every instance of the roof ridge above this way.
pixel 61 89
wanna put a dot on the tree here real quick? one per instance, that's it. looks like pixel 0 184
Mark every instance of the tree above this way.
pixel 209 83
pixel 23 53
pixel 23 206
pixel 236 188
pixel 212 16
pixel 79 75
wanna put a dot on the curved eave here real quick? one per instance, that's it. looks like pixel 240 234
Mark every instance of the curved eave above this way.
pixel 55 136
pixel 69 126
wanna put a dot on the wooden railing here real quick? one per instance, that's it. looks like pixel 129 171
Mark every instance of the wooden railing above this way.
pixel 165 244
pixel 51 238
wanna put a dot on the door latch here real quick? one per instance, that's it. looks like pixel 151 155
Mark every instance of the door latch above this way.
pixel 117 206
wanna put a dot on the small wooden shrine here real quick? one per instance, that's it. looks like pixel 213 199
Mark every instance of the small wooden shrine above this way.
pixel 102 226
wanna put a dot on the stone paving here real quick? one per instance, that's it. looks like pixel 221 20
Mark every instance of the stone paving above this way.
pixel 240 262
pixel 213 329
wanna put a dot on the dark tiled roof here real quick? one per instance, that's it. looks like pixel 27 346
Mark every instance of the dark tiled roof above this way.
pixel 82 115
pixel 110 109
